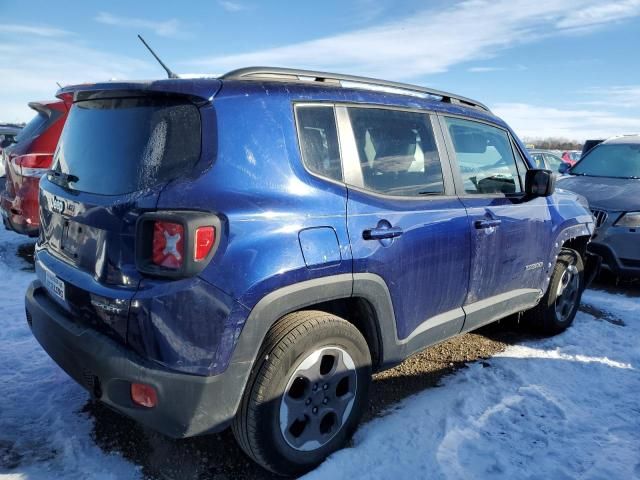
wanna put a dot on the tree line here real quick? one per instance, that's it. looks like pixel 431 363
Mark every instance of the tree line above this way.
pixel 553 143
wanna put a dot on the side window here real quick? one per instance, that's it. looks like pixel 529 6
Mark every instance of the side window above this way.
pixel 553 161
pixel 485 157
pixel 318 138
pixel 397 152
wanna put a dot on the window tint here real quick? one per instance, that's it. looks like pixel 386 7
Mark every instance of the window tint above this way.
pixel 319 141
pixel 397 152
pixel 117 146
pixel 485 157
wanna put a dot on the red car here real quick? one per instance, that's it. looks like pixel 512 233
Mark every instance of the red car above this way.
pixel 571 157
pixel 26 161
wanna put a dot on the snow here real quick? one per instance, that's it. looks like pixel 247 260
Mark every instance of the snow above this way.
pixel 562 408
pixel 43 433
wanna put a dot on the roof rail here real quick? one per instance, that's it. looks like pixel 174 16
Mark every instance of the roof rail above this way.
pixel 283 74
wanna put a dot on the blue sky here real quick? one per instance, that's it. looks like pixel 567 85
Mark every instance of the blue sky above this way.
pixel 549 68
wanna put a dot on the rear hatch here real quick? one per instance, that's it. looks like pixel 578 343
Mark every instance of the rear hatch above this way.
pixel 116 153
pixel 46 116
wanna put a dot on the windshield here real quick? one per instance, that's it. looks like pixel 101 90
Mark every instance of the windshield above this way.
pixel 613 160
pixel 117 146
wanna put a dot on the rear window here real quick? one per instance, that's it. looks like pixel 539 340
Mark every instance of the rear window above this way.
pixel 117 146
pixel 35 127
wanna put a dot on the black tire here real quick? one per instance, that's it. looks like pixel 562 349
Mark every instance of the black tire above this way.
pixel 293 342
pixel 557 309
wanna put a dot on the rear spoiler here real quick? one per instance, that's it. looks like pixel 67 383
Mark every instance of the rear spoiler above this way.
pixel 198 90
pixel 46 107
pixel 41 107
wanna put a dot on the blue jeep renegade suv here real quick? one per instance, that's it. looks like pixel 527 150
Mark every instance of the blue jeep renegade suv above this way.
pixel 246 250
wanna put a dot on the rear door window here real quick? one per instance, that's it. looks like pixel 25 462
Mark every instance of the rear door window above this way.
pixel 485 157
pixel 318 138
pixel 122 145
pixel 397 152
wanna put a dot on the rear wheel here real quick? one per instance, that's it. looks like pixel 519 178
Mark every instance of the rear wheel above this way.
pixel 306 394
pixel 558 308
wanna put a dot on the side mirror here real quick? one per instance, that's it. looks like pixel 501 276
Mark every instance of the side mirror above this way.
pixel 539 183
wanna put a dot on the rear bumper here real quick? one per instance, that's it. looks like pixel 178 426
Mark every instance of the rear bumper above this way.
pixel 187 404
pixel 16 221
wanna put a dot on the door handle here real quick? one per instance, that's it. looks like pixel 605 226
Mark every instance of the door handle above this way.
pixel 487 223
pixel 381 233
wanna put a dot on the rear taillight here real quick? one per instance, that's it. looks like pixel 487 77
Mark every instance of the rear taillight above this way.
pixel 144 395
pixel 32 164
pixel 204 239
pixel 176 244
pixel 168 245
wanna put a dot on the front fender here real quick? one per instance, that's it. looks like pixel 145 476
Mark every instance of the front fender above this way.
pixel 570 219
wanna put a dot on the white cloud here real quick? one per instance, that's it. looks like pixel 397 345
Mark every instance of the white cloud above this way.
pixel 621 96
pixel 32 30
pixel 600 13
pixel 231 6
pixel 484 69
pixel 167 28
pixel 31 66
pixel 429 41
pixel 575 124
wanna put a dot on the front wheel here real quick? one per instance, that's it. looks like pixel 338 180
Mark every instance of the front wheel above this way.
pixel 558 308
pixel 306 394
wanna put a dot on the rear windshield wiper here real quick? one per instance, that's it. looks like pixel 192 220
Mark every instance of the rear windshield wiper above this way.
pixel 62 179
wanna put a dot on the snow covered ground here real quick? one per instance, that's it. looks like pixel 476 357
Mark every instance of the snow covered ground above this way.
pixel 43 435
pixel 562 408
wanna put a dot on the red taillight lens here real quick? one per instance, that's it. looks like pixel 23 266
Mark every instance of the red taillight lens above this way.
pixel 168 245
pixel 144 395
pixel 32 164
pixel 205 238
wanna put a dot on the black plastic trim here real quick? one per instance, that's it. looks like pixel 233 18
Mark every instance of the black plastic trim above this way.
pixel 190 221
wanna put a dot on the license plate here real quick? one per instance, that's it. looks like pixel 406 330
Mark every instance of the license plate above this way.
pixel 55 285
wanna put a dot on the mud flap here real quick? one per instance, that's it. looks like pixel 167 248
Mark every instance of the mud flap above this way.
pixel 592 264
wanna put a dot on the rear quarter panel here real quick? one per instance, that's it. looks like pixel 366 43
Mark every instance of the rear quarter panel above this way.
pixel 263 195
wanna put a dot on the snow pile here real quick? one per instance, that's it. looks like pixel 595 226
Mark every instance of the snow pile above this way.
pixel 41 427
pixel 564 407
